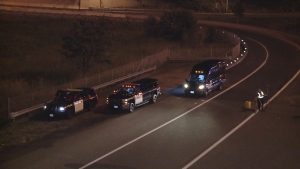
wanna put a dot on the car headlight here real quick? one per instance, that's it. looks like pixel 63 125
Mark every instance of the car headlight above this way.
pixel 186 85
pixel 201 87
pixel 61 109
pixel 125 101
pixel 45 107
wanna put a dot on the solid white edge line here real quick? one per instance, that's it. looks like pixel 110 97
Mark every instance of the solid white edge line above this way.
pixel 240 125
pixel 187 112
pixel 218 142
pixel 288 83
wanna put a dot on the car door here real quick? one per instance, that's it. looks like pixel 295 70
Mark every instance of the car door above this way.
pixel 78 103
pixel 209 85
pixel 146 93
pixel 138 96
pixel 214 83
pixel 86 101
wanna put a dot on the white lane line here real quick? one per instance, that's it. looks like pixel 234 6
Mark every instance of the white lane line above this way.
pixel 185 113
pixel 240 125
pixel 285 86
pixel 218 142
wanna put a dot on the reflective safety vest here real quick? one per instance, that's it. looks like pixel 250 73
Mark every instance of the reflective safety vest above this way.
pixel 260 95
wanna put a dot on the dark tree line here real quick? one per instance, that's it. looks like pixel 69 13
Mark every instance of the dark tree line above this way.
pixel 276 5
pixel 173 26
pixel 238 9
pixel 196 5
pixel 179 26
pixel 87 41
pixel 251 5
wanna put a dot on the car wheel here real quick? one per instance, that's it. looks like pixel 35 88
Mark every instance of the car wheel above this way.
pixel 154 98
pixel 131 107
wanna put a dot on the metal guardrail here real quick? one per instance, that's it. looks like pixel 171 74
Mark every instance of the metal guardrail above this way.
pixel 13 115
pixel 194 58
pixel 229 65
pixel 237 60
pixel 123 78
pixel 229 62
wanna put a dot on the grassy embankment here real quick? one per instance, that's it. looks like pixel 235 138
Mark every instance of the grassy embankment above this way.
pixel 30 49
pixel 31 54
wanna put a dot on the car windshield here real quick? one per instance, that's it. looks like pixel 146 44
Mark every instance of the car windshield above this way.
pixel 197 78
pixel 63 97
pixel 126 90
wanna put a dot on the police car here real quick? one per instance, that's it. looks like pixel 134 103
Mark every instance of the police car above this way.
pixel 70 102
pixel 205 77
pixel 131 95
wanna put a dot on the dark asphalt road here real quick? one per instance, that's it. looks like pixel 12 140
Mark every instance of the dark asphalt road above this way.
pixel 271 138
pixel 157 136
pixel 178 143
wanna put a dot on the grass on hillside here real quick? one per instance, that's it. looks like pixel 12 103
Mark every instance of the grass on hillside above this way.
pixel 31 44
pixel 31 51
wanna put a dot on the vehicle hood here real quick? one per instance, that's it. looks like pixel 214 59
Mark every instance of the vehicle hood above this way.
pixel 56 103
pixel 191 83
pixel 120 95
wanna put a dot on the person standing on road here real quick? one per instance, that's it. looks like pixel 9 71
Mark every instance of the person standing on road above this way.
pixel 260 99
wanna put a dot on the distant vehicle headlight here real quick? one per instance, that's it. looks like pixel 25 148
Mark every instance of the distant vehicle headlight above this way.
pixel 45 107
pixel 186 85
pixel 61 109
pixel 201 87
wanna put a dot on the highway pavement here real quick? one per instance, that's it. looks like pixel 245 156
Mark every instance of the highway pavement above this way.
pixel 194 132
pixel 186 132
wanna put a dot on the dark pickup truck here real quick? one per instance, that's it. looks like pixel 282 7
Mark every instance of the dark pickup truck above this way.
pixel 135 94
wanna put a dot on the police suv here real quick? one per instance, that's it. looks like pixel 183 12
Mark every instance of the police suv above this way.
pixel 70 102
pixel 131 95
pixel 205 77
